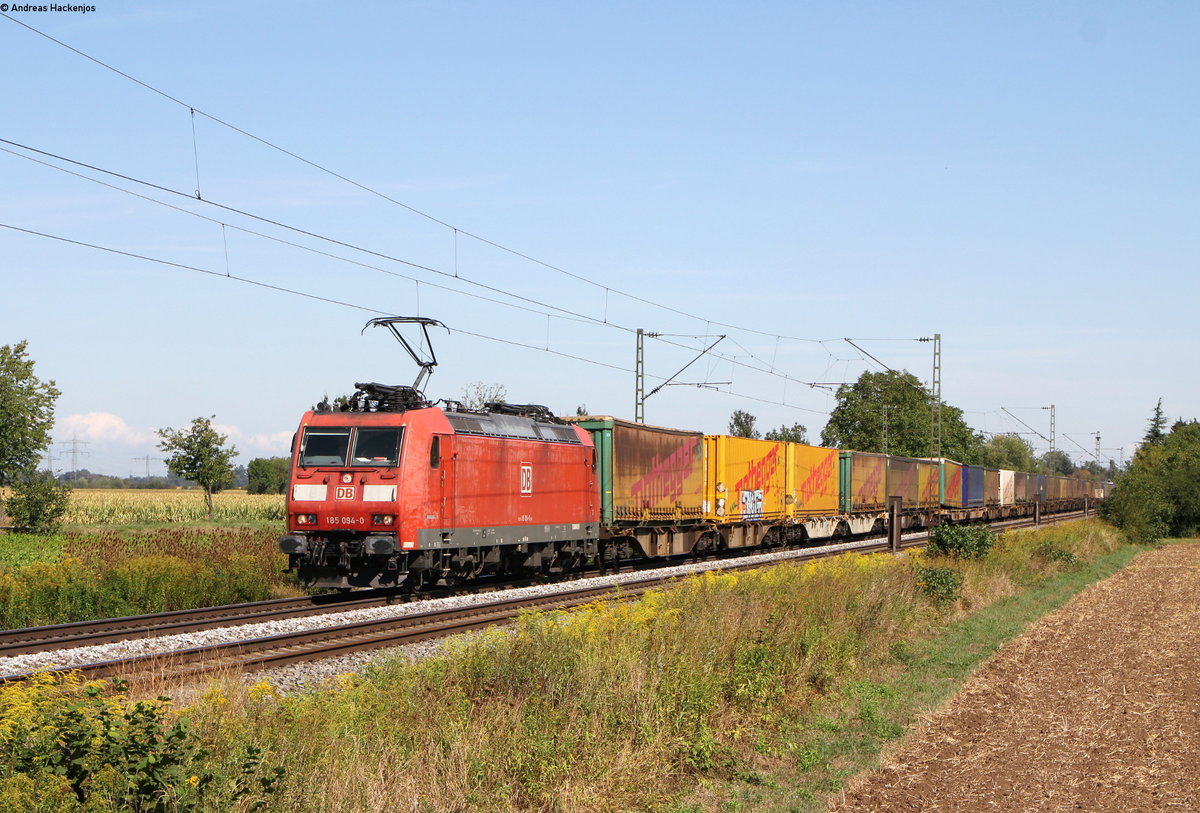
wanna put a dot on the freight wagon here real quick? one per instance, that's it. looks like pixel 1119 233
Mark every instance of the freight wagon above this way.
pixel 652 487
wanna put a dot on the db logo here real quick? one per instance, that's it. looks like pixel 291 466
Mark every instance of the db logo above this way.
pixel 343 493
pixel 526 479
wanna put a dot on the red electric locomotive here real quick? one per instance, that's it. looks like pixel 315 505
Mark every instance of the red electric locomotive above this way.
pixel 392 490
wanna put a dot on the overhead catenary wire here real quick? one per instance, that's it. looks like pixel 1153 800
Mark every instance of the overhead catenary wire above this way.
pixel 565 313
pixel 1027 426
pixel 763 367
pixel 193 111
pixel 341 303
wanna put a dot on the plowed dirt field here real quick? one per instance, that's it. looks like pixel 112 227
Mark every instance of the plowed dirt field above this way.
pixel 1096 707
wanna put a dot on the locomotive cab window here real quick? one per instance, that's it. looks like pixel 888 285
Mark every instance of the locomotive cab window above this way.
pixel 376 446
pixel 324 446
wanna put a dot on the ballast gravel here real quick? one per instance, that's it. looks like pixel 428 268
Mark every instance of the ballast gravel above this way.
pixel 306 674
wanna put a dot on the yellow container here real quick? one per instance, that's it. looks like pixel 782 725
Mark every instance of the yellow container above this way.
pixel 746 479
pixel 864 481
pixel 929 482
pixel 812 481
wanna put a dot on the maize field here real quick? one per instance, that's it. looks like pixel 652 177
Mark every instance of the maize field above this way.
pixel 97 506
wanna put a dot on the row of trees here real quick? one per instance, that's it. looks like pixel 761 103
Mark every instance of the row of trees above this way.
pixel 892 413
pixel 1158 495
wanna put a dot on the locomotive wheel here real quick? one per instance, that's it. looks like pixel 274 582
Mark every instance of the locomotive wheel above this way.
pixel 608 559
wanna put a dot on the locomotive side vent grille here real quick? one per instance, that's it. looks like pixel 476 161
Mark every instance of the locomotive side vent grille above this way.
pixel 507 425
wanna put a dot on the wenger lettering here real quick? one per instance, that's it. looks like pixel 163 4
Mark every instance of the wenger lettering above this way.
pixel 761 472
pixel 664 483
pixel 818 478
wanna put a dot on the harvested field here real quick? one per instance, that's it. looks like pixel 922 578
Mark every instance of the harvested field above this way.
pixel 1096 707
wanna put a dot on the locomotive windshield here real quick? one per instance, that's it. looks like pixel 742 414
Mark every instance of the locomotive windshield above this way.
pixel 328 446
pixel 376 447
pixel 325 446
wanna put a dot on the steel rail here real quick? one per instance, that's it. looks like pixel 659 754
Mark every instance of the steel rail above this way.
pixel 107 630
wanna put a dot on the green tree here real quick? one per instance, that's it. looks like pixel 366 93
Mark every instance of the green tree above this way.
pixel 26 413
pixel 741 425
pixel 1008 452
pixel 268 475
pixel 1158 495
pixel 1099 471
pixel 796 433
pixel 1158 423
pixel 38 501
pixel 1057 462
pixel 199 454
pixel 860 422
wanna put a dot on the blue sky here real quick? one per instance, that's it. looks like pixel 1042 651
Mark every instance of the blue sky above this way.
pixel 1019 177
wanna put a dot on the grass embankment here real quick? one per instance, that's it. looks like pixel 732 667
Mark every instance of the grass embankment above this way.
pixel 132 551
pixel 758 691
pixel 80 575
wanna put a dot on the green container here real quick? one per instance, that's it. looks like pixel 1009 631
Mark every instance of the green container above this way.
pixel 648 475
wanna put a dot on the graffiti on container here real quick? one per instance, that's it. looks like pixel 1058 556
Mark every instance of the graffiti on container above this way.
pixel 873 483
pixel 817 481
pixel 752 504
pixel 664 483
pixel 930 492
pixel 760 472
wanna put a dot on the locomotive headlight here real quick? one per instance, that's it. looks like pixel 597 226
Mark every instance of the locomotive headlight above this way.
pixel 347 478
pixel 306 519
pixel 383 519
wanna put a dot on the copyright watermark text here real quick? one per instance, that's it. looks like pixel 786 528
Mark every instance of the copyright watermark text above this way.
pixel 45 7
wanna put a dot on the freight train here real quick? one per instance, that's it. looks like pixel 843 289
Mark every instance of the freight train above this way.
pixel 392 490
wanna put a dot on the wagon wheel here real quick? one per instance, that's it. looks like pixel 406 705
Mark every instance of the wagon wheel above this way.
pixel 708 543
pixel 774 538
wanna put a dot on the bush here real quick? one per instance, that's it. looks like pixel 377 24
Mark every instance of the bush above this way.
pixel 73 746
pixel 1141 506
pixel 961 541
pixel 38 501
pixel 1053 553
pixel 942 584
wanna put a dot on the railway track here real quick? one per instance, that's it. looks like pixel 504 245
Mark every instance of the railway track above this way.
pixel 109 630
pixel 330 641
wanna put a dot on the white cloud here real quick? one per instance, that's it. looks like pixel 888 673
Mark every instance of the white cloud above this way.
pixel 274 444
pixel 103 427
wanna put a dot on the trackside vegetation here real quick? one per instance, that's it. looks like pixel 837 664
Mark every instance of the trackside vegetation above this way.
pixel 1159 494
pixel 80 575
pixel 757 690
